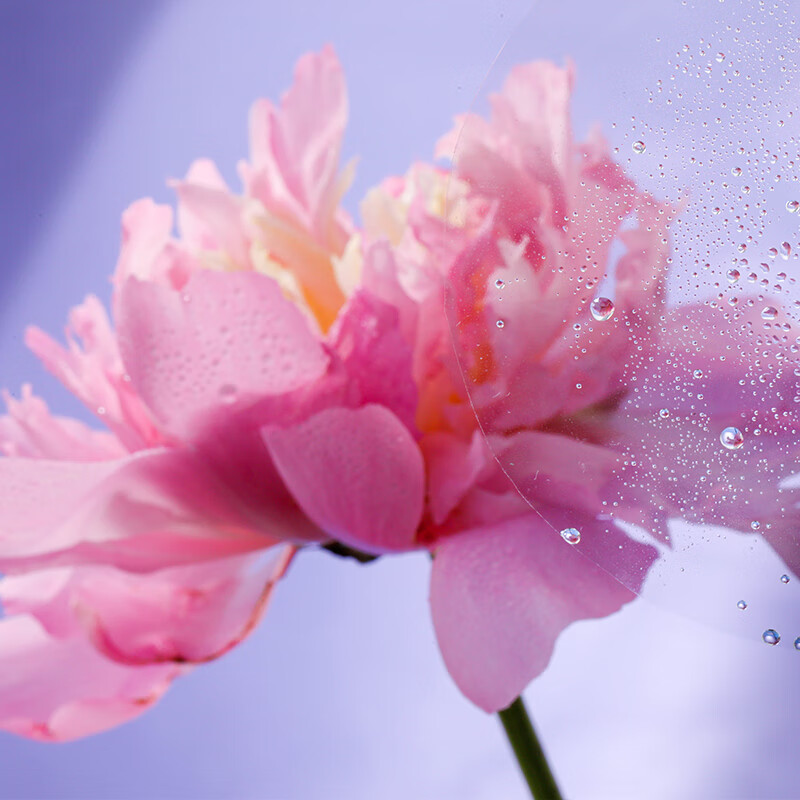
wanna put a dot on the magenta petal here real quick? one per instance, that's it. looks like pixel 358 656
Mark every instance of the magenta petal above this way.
pixel 501 595
pixel 227 340
pixel 59 689
pixel 358 474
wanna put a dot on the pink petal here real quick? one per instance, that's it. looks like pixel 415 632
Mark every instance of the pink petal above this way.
pixel 210 217
pixel 501 595
pixel 91 368
pixel 358 474
pixel 295 150
pixel 152 511
pixel 60 689
pixel 227 340
pixel 376 356
pixel 30 431
pixel 183 614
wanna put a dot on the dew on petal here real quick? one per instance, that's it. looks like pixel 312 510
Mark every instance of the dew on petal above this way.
pixel 786 249
pixel 731 438
pixel 639 147
pixel 742 604
pixel 770 312
pixel 784 579
pixel 797 643
pixel 571 535
pixel 602 309
pixel 733 275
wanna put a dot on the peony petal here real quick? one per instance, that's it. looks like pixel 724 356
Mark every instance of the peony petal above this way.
pixel 183 614
pixel 146 512
pixel 60 689
pixel 30 431
pixel 358 474
pixel 501 595
pixel 228 340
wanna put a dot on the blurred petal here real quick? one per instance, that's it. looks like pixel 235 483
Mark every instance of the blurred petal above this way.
pixel 59 689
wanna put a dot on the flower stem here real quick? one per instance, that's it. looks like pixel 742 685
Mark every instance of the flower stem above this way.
pixel 529 753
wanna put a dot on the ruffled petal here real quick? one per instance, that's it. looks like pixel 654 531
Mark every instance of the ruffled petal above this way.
pixel 55 689
pixel 146 512
pixel 358 474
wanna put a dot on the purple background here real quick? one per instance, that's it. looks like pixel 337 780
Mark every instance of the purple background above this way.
pixel 341 691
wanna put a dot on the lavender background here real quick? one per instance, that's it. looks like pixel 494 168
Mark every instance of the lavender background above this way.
pixel 341 691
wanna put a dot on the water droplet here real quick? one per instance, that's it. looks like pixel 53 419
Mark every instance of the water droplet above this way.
pixel 742 604
pixel 786 249
pixel 576 326
pixel 734 275
pixel 792 206
pixel 784 579
pixel 571 535
pixel 771 636
pixel 698 373
pixel 602 309
pixel 732 438
pixel 228 393
pixel 736 171
pixel 639 146
pixel 797 643
pixel 755 525
pixel 500 323
pixel 101 411
pixel 499 283
pixel 663 413
pixel 720 57
pixel 770 312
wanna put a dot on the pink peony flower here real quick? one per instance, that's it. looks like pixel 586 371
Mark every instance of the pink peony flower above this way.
pixel 275 377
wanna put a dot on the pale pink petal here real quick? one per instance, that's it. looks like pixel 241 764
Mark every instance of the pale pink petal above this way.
pixel 146 512
pixel 91 368
pixel 376 356
pixel 295 149
pixel 357 473
pixel 28 430
pixel 227 340
pixel 501 595
pixel 60 689
pixel 209 216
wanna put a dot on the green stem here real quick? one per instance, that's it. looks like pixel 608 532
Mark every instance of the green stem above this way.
pixel 530 756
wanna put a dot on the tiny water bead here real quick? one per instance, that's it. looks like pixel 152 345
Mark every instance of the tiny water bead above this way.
pixel 698 373
pixel 499 283
pixel 770 312
pixel 786 249
pixel 755 525
pixel 732 438
pixel 771 636
pixel 792 206
pixel 663 413
pixel 733 275
pixel 602 309
pixel 639 146
pixel 571 535
pixel 500 323
pixel 784 579
pixel 797 643
pixel 228 394
pixel 742 604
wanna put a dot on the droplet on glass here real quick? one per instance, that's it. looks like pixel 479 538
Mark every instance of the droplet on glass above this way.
pixel 663 413
pixel 602 309
pixel 571 535
pixel 784 579
pixel 733 275
pixel 500 323
pixel 797 643
pixel 698 373
pixel 742 604
pixel 770 312
pixel 732 438
pixel 792 206
pixel 499 283
pixel 786 249
pixel 720 57
pixel 228 393
pixel 755 525
pixel 736 171
pixel 771 636
pixel 639 146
